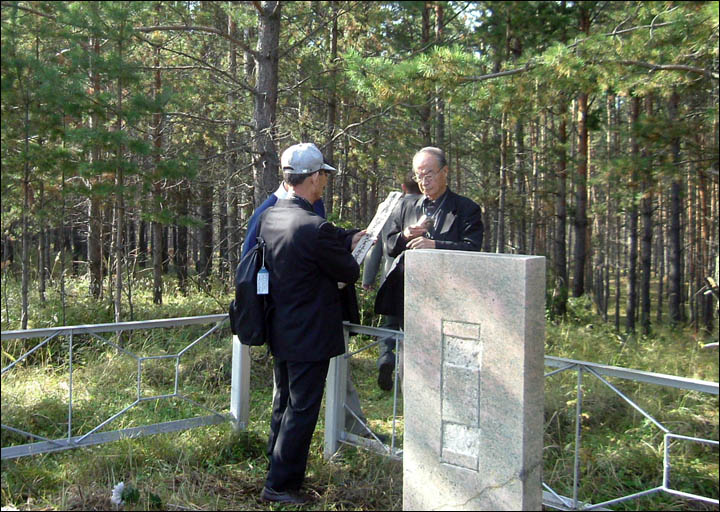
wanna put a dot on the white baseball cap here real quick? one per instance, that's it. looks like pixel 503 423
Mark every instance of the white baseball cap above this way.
pixel 304 158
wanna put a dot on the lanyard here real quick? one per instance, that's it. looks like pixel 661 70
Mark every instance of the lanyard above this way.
pixel 434 215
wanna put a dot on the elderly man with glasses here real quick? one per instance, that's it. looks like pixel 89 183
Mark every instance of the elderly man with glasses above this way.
pixel 438 219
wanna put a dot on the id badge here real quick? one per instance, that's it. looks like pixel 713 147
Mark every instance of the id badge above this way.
pixel 263 281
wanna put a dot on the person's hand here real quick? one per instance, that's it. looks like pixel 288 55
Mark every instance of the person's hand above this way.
pixel 421 243
pixel 413 232
pixel 356 238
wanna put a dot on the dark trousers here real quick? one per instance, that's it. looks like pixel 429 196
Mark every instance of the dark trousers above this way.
pixel 387 345
pixel 296 405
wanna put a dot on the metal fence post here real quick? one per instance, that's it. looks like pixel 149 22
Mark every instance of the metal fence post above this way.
pixel 335 389
pixel 240 385
pixel 578 432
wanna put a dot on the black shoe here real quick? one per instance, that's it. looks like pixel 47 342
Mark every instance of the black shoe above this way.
pixel 384 438
pixel 290 497
pixel 385 375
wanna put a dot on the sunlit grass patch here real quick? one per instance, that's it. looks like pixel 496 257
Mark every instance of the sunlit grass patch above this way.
pixel 621 450
pixel 215 467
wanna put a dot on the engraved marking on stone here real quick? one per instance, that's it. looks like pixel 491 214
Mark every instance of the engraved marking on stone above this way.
pixel 460 394
pixel 461 330
pixel 463 385
pixel 461 445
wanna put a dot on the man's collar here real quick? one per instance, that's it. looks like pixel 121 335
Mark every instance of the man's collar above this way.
pixel 304 203
pixel 427 200
pixel 281 192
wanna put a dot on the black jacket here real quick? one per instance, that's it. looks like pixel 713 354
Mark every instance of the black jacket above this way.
pixel 306 257
pixel 459 224
pixel 459 227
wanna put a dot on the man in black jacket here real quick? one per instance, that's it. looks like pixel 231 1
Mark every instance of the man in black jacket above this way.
pixel 438 219
pixel 306 257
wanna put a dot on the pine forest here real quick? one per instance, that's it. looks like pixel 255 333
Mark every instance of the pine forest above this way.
pixel 138 137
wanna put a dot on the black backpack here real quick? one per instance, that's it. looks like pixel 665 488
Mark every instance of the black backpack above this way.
pixel 247 311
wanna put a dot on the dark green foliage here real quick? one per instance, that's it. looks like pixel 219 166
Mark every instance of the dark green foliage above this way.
pixel 75 136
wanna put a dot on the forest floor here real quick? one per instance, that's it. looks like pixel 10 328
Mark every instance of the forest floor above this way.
pixel 216 468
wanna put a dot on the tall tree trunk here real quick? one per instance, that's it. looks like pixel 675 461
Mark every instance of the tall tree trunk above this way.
pixel 591 226
pixel 458 169
pixel 693 257
pixel 503 185
pixel 534 128
pixel 119 214
pixel 233 225
pixel 42 261
pixel 617 292
pixel 267 163
pixel 181 252
pixel 581 221
pixel 142 244
pixel 374 175
pixel 439 101
pixel 206 230
pixel 79 247
pixel 491 170
pixel 609 213
pixel 344 177
pixel 156 247
pixel 646 248
pixel 130 237
pixel 222 233
pixel 545 217
pixel 618 227
pixel 107 249
pixel 660 251
pixel 521 185
pixel 426 108
pixel 560 258
pixel 95 246
pixel 62 251
pixel 362 209
pixel 582 239
pixel 25 213
pixel 247 195
pixel 156 227
pixel 675 294
pixel 95 207
pixel 329 152
pixel 633 220
pixel 165 247
pixel 706 301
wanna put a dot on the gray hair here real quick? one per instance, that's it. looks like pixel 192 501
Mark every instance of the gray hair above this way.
pixel 438 153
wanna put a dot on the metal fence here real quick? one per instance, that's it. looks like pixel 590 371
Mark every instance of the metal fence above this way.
pixel 240 384
pixel 335 433
pixel 599 371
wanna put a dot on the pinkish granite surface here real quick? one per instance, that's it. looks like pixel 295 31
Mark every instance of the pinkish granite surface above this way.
pixel 473 381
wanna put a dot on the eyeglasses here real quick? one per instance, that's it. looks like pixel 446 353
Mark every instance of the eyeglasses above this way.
pixel 428 176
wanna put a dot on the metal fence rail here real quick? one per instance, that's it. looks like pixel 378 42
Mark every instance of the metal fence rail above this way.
pixel 599 371
pixel 335 433
pixel 94 436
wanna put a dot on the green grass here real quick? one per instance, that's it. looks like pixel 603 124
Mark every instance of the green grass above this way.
pixel 214 467
pixel 622 451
